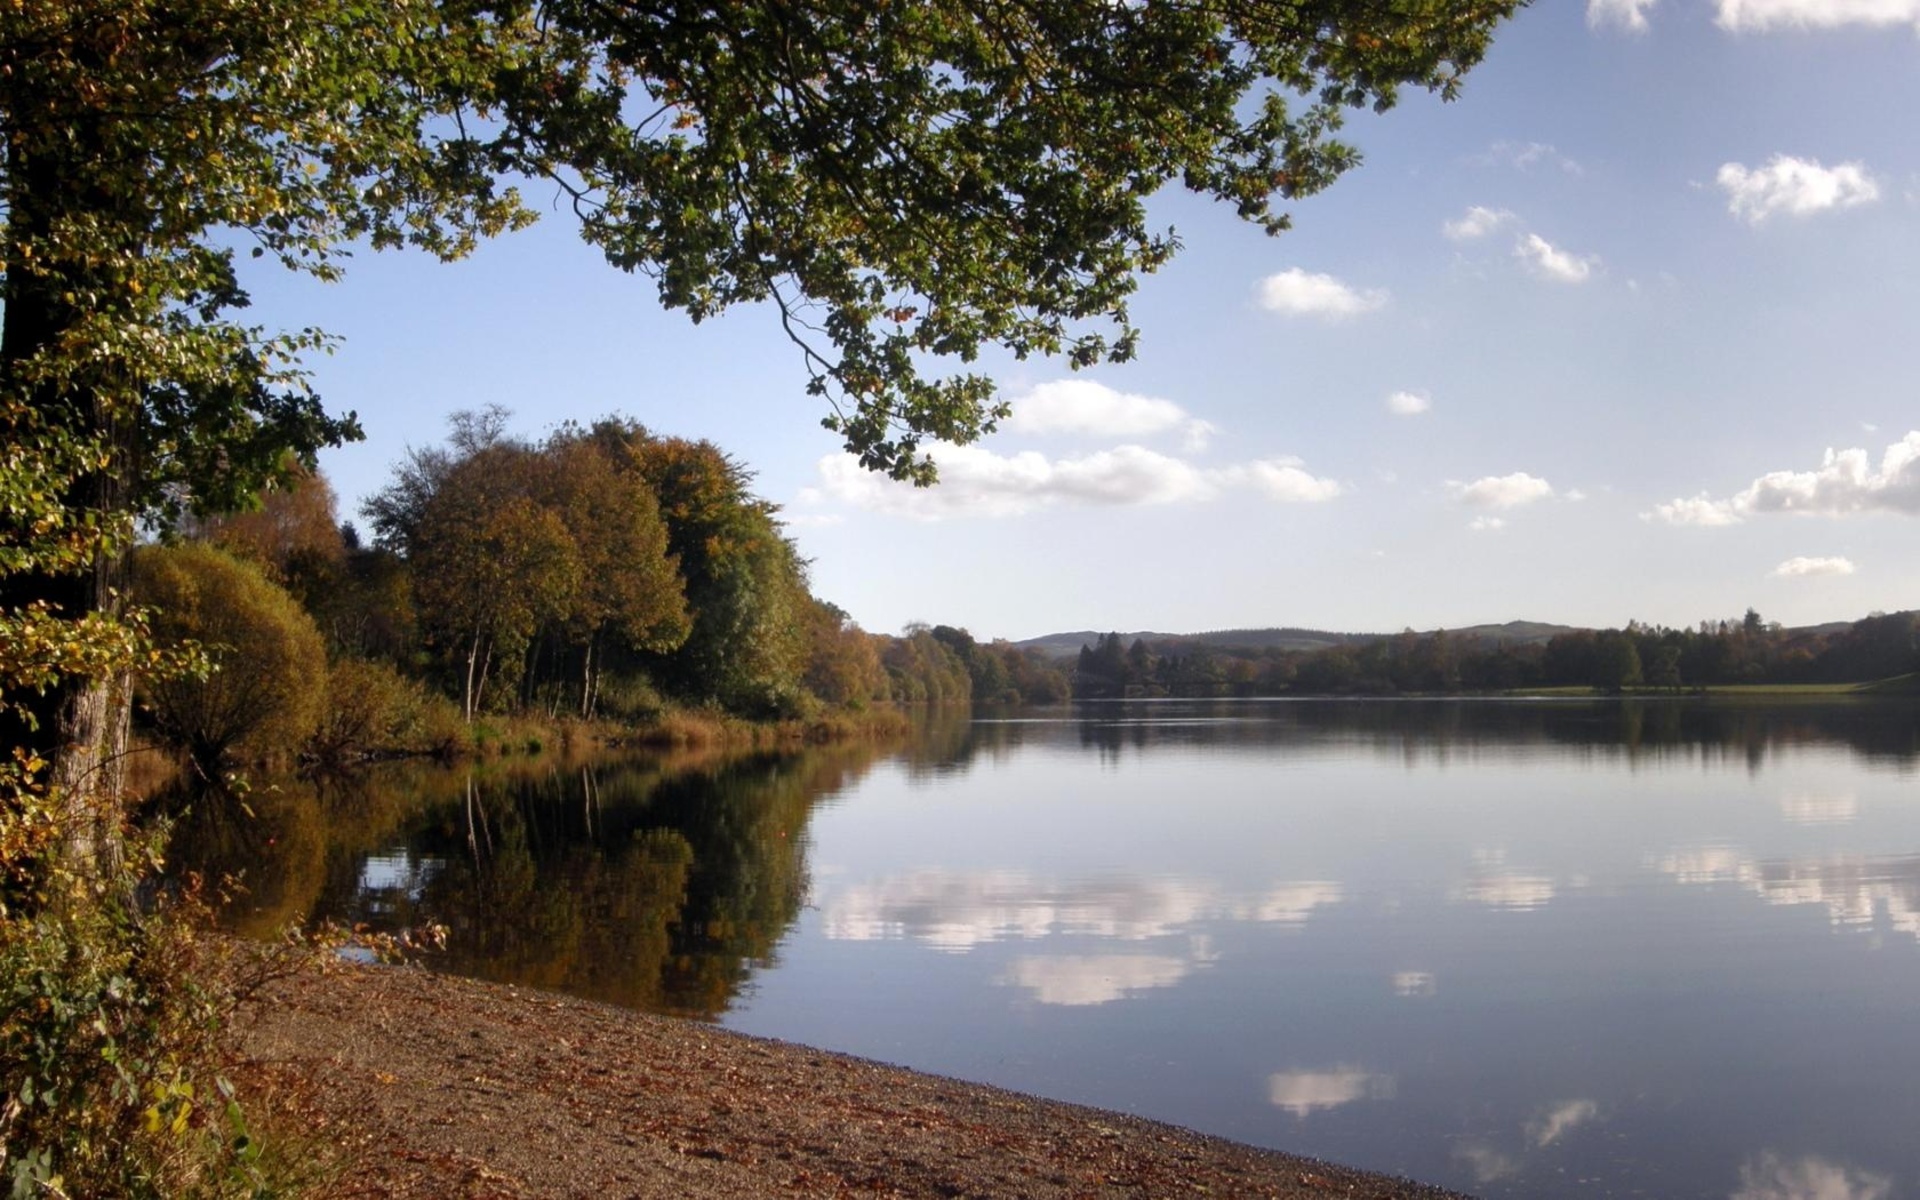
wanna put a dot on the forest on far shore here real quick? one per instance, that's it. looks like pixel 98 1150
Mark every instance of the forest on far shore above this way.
pixel 1747 651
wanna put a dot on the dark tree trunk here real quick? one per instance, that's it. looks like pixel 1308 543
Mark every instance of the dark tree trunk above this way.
pixel 80 724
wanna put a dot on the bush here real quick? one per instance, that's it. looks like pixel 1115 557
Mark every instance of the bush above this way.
pixel 372 709
pixel 266 686
pixel 107 1025
pixel 631 698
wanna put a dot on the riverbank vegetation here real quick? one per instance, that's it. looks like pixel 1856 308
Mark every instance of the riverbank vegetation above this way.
pixel 604 583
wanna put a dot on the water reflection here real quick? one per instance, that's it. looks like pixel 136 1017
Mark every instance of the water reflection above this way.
pixel 1438 732
pixel 1857 891
pixel 959 910
pixel 1079 980
pixel 1518 893
pixel 1487 1165
pixel 1561 1119
pixel 1414 985
pixel 653 883
pixel 1303 1093
pixel 1773 1177
pixel 1820 808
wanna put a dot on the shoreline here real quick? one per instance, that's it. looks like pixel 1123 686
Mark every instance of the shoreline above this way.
pixel 411 1084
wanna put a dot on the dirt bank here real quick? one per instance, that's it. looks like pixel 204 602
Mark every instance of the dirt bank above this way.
pixel 417 1085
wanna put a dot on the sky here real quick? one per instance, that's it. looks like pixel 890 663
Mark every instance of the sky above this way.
pixel 1631 330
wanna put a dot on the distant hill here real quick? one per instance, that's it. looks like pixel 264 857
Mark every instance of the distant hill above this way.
pixel 1066 645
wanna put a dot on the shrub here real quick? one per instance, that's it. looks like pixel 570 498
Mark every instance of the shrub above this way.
pixel 107 1026
pixel 268 664
pixel 372 709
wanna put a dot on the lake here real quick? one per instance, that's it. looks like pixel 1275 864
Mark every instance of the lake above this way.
pixel 1522 948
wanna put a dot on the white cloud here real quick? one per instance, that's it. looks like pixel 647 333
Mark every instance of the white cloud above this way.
pixel 1304 1092
pixel 1550 262
pixel 1560 1120
pixel 1409 404
pixel 1794 187
pixel 1800 567
pixel 1771 1177
pixel 1083 406
pixel 1501 491
pixel 1524 156
pixel 1079 980
pixel 976 482
pixel 1487 524
pixel 1476 223
pixel 1197 434
pixel 1298 293
pixel 1846 482
pixel 1630 15
pixel 1700 510
pixel 1759 16
pixel 1284 480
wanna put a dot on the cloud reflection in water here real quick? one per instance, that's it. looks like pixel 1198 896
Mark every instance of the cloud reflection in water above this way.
pixel 1413 983
pixel 1560 1120
pixel 1852 888
pixel 1304 1092
pixel 1771 1177
pixel 1520 893
pixel 959 910
pixel 1076 980
pixel 1820 808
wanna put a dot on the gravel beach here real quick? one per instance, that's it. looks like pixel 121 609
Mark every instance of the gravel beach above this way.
pixel 411 1084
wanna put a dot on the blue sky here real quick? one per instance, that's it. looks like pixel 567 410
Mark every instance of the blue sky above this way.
pixel 1631 330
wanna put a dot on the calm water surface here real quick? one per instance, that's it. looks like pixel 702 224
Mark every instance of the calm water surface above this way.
pixel 1521 948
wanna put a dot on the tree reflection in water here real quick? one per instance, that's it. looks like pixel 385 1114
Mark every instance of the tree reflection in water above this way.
pixel 653 882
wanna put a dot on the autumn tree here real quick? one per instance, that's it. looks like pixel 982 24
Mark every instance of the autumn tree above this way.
pixel 921 669
pixel 745 584
pixel 490 565
pixel 843 662
pixel 630 593
pixel 291 529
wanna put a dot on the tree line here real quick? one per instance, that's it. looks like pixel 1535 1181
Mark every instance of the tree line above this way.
pixel 1749 650
pixel 604 572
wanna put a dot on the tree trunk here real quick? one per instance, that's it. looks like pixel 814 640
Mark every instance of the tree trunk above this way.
pixel 587 680
pixel 79 725
pixel 466 695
